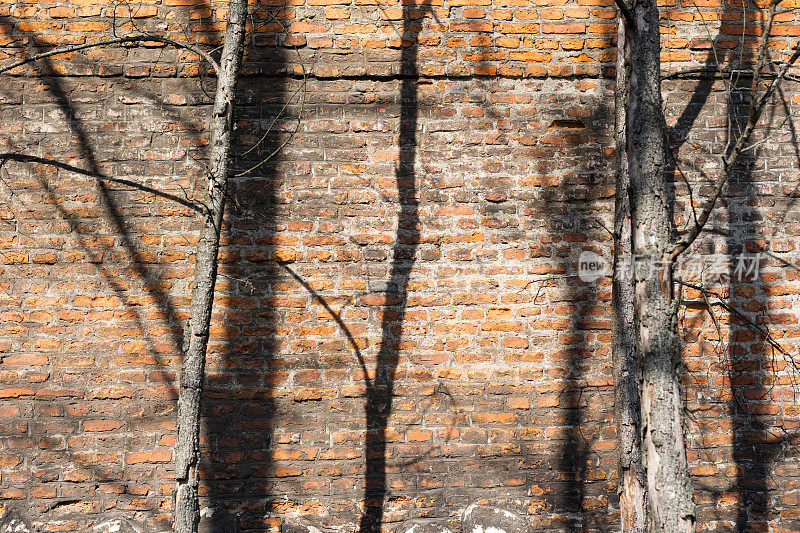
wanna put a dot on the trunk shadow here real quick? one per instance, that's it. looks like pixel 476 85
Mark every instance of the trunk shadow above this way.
pixel 245 364
pixel 380 388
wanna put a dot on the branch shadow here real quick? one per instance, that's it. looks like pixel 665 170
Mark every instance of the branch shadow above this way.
pixel 380 390
pixel 576 496
pixel 748 368
pixel 102 253
pixel 753 364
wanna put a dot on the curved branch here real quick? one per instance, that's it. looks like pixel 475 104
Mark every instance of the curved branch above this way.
pixel 337 317
pixel 731 153
pixel 24 158
pixel 116 40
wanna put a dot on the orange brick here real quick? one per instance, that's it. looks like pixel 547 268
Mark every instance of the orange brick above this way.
pixel 21 11
pixel 474 13
pixel 572 44
pixel 507 42
pixel 565 28
pixel 552 14
pixel 151 456
pixel 283 471
pixel 535 57
pixel 335 13
pixel 9 460
pixel 498 418
pixel 12 258
pixel 419 435
pixel 518 403
pixel 90 27
pixel 474 25
pixel 61 12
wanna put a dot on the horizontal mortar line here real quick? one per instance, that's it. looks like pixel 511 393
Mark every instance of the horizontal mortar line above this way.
pixel 420 77
pixel 669 76
pixel 355 77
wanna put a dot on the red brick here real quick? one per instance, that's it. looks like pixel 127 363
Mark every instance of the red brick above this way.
pixel 151 456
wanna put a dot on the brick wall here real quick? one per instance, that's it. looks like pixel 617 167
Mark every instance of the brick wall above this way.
pixel 398 325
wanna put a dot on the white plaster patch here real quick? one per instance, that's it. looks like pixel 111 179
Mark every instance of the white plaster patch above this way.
pixel 468 510
pixel 508 514
pixel 17 526
pixel 490 529
pixel 116 525
pixel 109 526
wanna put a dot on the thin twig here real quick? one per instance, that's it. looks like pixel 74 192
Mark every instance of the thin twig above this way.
pixel 768 136
pixel 729 157
pixel 304 86
pixel 731 309
pixel 272 124
pixel 108 42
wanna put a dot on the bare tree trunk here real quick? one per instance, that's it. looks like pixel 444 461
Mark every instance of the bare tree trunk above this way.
pixel 187 453
pixel 625 353
pixel 669 489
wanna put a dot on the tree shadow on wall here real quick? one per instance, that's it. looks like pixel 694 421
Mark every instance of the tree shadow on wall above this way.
pixel 104 240
pixel 238 407
pixel 257 274
pixel 575 394
pixel 249 323
pixel 380 387
pixel 751 364
pixel 759 377
pixel 109 187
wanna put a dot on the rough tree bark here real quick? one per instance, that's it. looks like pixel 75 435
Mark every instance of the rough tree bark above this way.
pixel 669 490
pixel 625 352
pixel 187 453
pixel 646 319
pixel 656 492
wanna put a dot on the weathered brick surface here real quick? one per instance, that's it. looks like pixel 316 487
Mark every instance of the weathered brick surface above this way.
pixel 419 228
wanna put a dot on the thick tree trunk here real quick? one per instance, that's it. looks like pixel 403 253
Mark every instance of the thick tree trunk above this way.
pixel 625 353
pixel 187 454
pixel 669 488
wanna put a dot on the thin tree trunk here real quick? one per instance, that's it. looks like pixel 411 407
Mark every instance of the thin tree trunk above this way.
pixel 187 453
pixel 669 487
pixel 625 353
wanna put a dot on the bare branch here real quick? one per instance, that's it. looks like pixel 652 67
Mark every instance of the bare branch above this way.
pixel 763 330
pixel 271 125
pixel 304 87
pixel 688 186
pixel 768 136
pixel 729 157
pixel 721 73
pixel 733 310
pixel 108 42
pixel 692 71
pixel 708 32
pixel 24 158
